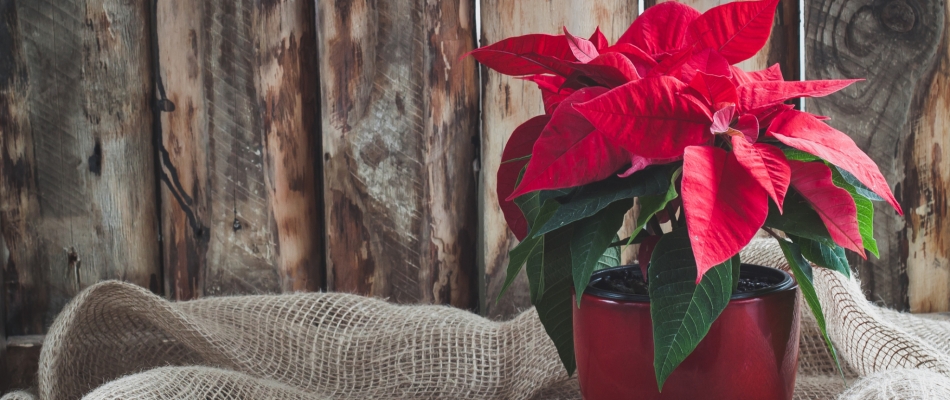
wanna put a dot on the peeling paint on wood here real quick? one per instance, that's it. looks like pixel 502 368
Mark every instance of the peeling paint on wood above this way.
pixel 894 45
pixel 77 203
pixel 240 185
pixel 399 117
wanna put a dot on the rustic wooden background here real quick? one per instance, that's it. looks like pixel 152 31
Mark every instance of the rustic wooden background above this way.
pixel 266 146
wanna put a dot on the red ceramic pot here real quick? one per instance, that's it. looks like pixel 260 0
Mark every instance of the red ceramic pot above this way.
pixel 750 352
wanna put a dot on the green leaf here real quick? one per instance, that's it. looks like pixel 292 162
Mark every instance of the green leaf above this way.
pixel 592 236
pixel 798 219
pixel 650 205
pixel 858 186
pixel 536 217
pixel 530 206
pixel 545 195
pixel 522 158
pixel 831 257
pixel 865 210
pixel 798 155
pixel 535 272
pixel 682 311
pixel 594 197
pixel 555 307
pixel 639 238
pixel 516 259
pixel 803 275
pixel 610 259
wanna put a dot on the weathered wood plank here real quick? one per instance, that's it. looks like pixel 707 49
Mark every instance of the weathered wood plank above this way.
pixel 399 121
pixel 239 141
pixel 926 187
pixel 898 117
pixel 17 189
pixel 181 124
pixel 507 102
pixel 288 98
pixel 78 202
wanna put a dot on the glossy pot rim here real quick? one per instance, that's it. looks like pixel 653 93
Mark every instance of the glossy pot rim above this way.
pixel 786 284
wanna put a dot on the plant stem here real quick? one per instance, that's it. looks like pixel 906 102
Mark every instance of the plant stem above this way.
pixel 772 233
pixel 654 225
pixel 723 142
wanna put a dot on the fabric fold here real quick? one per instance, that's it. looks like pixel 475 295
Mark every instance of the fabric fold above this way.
pixel 116 340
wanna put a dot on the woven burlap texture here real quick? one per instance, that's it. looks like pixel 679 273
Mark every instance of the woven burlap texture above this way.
pixel 118 341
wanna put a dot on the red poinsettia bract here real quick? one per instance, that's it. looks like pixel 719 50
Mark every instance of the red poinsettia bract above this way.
pixel 668 91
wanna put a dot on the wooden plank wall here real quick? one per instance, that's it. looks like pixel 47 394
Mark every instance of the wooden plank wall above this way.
pixel 399 131
pixel 182 152
pixel 237 100
pixel 228 147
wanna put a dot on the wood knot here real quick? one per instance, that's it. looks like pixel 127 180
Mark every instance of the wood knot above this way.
pixel 72 258
pixel 95 160
pixel 898 16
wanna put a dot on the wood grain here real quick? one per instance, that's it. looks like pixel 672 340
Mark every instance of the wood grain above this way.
pixel 507 102
pixel 77 202
pixel 926 186
pixel 399 123
pixel 240 180
pixel 898 117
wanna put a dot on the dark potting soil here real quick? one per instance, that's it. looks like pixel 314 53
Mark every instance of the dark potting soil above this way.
pixel 629 281
pixel 750 284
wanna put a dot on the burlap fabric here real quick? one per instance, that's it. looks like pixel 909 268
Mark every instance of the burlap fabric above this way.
pixel 118 341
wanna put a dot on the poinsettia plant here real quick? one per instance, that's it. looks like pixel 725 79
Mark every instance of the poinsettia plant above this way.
pixel 664 115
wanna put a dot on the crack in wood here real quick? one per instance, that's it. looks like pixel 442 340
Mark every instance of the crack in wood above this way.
pixel 162 104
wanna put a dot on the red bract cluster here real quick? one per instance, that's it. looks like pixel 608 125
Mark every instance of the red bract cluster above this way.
pixel 668 91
